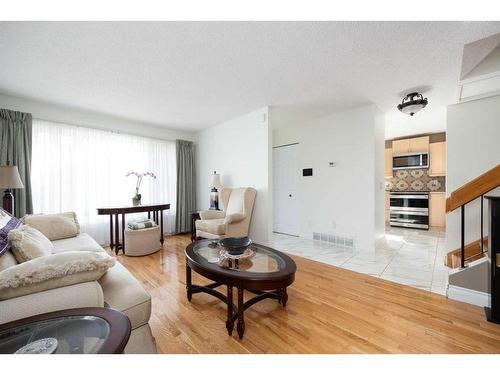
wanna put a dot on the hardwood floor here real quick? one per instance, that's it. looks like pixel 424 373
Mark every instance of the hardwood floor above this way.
pixel 330 310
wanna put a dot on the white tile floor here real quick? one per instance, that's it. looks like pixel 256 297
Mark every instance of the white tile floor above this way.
pixel 405 256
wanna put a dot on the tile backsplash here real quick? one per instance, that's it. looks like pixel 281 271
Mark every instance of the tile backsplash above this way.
pixel 414 180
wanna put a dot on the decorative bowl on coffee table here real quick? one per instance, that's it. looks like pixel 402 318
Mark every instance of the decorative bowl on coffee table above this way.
pixel 235 245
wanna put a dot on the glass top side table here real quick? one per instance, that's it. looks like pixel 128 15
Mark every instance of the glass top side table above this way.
pixel 77 331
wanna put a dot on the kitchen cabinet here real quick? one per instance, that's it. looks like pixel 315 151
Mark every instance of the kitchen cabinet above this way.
pixel 401 146
pixel 437 209
pixel 410 145
pixel 437 155
pixel 388 162
pixel 419 144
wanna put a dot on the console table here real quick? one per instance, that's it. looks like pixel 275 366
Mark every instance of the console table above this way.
pixel 154 210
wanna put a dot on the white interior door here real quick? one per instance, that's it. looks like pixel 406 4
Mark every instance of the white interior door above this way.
pixel 286 189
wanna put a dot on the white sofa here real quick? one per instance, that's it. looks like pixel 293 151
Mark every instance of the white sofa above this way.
pixel 117 289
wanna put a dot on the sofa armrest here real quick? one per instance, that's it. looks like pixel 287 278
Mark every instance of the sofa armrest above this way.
pixel 234 218
pixel 87 294
pixel 212 214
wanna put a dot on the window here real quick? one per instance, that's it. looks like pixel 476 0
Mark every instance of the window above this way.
pixel 79 169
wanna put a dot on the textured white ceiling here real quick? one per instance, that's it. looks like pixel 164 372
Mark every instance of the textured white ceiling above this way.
pixel 190 75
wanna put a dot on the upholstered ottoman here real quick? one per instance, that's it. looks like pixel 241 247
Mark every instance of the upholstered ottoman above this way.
pixel 142 241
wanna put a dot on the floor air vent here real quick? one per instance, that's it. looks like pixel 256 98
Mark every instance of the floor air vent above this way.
pixel 341 241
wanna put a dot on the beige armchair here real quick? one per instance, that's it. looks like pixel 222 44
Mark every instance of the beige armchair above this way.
pixel 234 221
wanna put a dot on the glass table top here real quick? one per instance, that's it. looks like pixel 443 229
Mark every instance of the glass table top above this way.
pixel 260 259
pixel 74 334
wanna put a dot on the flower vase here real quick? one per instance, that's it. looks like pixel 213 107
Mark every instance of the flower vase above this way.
pixel 136 200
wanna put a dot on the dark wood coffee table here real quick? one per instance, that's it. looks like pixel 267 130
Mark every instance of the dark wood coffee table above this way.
pixel 92 330
pixel 267 275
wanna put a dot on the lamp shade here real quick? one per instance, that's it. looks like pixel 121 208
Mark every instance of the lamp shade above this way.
pixel 216 181
pixel 9 178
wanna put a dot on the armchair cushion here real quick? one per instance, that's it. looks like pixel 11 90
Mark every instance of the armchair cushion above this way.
pixel 215 226
pixel 53 271
pixel 234 218
pixel 236 202
pixel 55 226
pixel 29 243
pixel 212 214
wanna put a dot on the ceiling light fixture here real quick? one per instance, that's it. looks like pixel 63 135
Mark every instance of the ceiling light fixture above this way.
pixel 412 103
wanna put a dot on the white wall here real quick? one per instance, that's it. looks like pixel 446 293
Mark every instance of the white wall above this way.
pixel 432 119
pixel 473 137
pixel 379 174
pixel 67 115
pixel 239 150
pixel 348 199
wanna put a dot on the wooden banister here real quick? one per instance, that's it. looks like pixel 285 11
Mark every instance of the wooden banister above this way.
pixel 474 189
pixel 473 251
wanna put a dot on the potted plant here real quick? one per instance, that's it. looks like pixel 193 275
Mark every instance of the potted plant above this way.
pixel 136 199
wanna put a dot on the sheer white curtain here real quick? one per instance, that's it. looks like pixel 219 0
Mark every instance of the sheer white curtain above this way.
pixel 79 169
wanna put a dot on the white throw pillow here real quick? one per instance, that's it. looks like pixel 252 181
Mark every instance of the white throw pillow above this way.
pixel 55 226
pixel 54 271
pixel 29 243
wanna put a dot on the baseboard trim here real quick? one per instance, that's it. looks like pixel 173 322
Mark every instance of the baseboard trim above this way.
pixel 473 297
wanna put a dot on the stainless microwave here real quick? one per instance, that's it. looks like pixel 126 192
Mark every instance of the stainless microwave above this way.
pixel 411 161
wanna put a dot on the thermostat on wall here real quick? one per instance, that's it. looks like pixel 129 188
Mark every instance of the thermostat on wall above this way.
pixel 307 172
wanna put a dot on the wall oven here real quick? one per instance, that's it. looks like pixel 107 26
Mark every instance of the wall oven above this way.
pixel 411 161
pixel 409 210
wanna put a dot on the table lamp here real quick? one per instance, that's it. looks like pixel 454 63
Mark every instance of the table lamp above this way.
pixel 214 192
pixel 9 179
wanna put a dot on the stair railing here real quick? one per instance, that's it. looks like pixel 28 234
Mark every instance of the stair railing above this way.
pixel 462 233
pixel 466 194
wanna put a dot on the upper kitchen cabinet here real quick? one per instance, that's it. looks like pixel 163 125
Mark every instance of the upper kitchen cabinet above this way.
pixel 401 146
pixel 410 145
pixel 420 144
pixel 437 166
pixel 388 162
